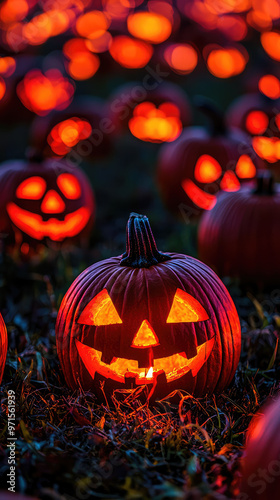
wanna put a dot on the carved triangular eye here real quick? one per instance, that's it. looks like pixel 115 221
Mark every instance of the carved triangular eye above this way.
pixel 186 309
pixel 100 311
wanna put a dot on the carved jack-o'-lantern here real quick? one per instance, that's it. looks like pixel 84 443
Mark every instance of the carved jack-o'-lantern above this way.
pixel 145 317
pixel 3 346
pixel 259 115
pixel 154 115
pixel 44 201
pixel 200 163
pixel 82 131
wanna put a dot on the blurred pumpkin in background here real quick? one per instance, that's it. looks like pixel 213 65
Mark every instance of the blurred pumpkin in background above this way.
pixel 152 111
pixel 80 132
pixel 259 115
pixel 44 201
pixel 3 346
pixel 240 236
pixel 202 162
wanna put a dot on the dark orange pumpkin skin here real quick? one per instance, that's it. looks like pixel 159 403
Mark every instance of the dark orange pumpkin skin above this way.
pixel 91 109
pixel 15 172
pixel 240 236
pixel 261 463
pixel 177 163
pixel 3 346
pixel 142 284
pixel 128 96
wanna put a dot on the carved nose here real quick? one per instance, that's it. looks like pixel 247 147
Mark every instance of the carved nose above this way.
pixel 52 203
pixel 145 337
pixel 230 182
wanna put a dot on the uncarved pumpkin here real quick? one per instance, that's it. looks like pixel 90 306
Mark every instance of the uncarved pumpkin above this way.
pixel 3 346
pixel 261 463
pixel 164 320
pixel 44 201
pixel 240 236
pixel 192 169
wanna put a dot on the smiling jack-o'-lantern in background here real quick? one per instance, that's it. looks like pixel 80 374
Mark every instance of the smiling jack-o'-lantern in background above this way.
pixel 200 163
pixel 44 201
pixel 82 130
pixel 3 346
pixel 259 115
pixel 147 317
pixel 154 115
pixel 240 236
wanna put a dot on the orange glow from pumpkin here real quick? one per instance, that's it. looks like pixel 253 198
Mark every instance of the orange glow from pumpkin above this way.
pixel 74 46
pixel 203 200
pixel 32 188
pixel 7 66
pixel 100 311
pixel 83 65
pixel 174 366
pixel 245 168
pixel 43 26
pixel 2 88
pixel 232 26
pixel 259 19
pixel 186 309
pixel 224 63
pixel 13 10
pixel 67 134
pixel 257 122
pixel 100 44
pixel 149 26
pixel 41 93
pixel 38 30
pixel 230 182
pixel 129 52
pixel 181 57
pixel 267 148
pixel 69 186
pixel 270 41
pixel 52 203
pixel 92 24
pixel 145 337
pixel 207 169
pixel 269 85
pixel 56 230
pixel 153 124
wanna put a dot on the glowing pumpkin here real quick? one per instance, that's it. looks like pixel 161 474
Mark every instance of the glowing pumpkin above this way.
pixel 156 115
pixel 200 163
pixel 148 318
pixel 258 115
pixel 44 201
pixel 239 237
pixel 3 346
pixel 260 463
pixel 82 131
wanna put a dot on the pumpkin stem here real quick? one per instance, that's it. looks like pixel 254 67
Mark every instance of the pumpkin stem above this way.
pixel 34 155
pixel 265 184
pixel 209 109
pixel 141 249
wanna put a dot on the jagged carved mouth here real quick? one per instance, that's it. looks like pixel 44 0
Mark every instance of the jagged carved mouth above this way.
pixel 174 366
pixel 56 230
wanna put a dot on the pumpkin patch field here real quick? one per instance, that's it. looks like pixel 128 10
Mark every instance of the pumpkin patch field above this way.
pixel 139 249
